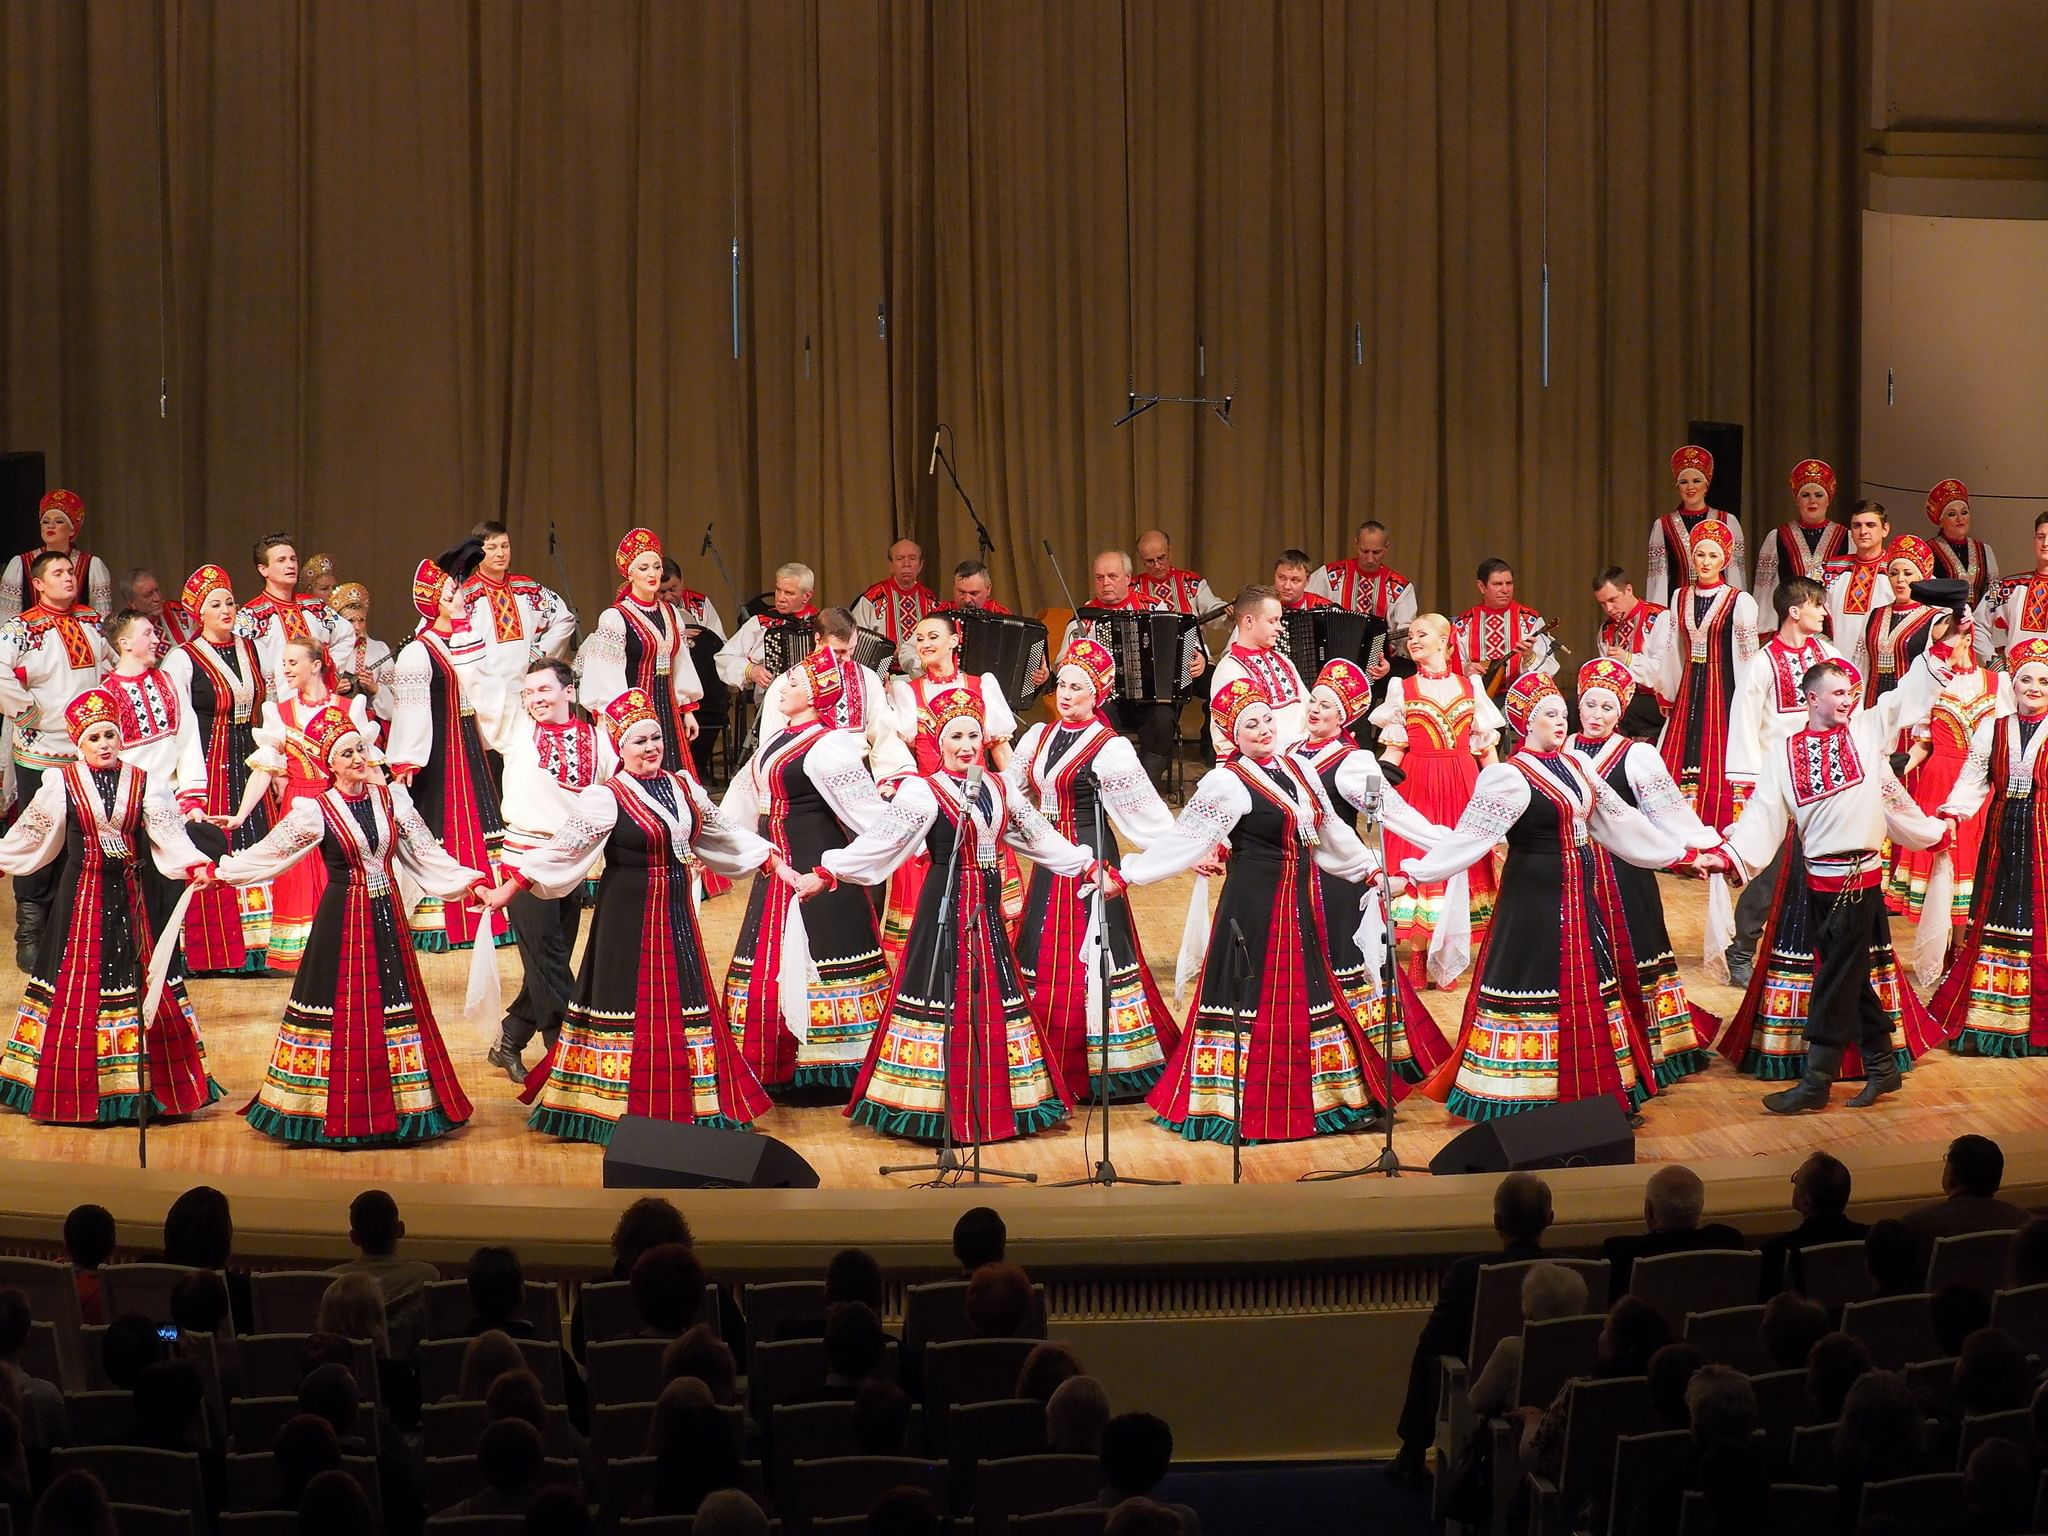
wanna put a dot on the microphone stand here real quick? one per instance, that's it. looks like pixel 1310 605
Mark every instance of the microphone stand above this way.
pixel 948 1166
pixel 1242 956
pixel 1105 1172
pixel 988 545
pixel 717 559
pixel 561 571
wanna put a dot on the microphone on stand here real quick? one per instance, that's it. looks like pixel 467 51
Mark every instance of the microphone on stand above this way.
pixel 551 535
pixel 932 464
pixel 974 777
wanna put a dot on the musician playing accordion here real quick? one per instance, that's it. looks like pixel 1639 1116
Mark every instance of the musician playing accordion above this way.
pixel 1154 718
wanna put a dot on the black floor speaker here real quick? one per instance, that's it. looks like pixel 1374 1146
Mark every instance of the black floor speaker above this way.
pixel 1723 439
pixel 1582 1135
pixel 659 1154
pixel 21 490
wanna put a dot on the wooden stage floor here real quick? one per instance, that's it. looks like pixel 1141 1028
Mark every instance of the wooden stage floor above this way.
pixel 1713 1115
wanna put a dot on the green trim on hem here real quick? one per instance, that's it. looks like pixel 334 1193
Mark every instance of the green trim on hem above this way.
pixel 256 964
pixel 1985 1042
pixel 434 941
pixel 119 1109
pixel 839 1075
pixel 1125 1086
pixel 915 1125
pixel 570 1126
pixel 1221 1128
pixel 1410 1071
pixel 309 1130
pixel 1683 1065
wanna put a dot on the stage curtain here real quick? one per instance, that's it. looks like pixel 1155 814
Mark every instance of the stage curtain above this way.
pixel 404 264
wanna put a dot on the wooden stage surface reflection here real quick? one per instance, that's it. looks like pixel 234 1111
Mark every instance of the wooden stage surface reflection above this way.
pixel 1715 1115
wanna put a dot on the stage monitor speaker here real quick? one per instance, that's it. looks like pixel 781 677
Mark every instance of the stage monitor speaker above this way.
pixel 659 1154
pixel 1590 1133
pixel 21 488
pixel 1723 439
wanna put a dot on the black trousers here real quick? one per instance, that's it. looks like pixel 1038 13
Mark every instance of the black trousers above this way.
pixel 1753 907
pixel 546 934
pixel 40 887
pixel 1843 1009
pixel 1153 724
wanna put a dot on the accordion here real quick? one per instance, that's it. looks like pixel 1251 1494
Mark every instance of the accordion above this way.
pixel 786 641
pixel 1007 646
pixel 1155 652
pixel 1310 637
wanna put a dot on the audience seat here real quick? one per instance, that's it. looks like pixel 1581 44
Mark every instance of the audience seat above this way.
pixel 768 1307
pixel 2023 1313
pixel 1975 1259
pixel 451 1479
pixel 2017 1425
pixel 978 1432
pixel 1930 1381
pixel 449 1310
pixel 1497 1301
pixel 1063 1522
pixel 609 1311
pixel 1897 1330
pixel 849 1485
pixel 624 1370
pixel 1698 1280
pixel 794 1370
pixel 148 1520
pixel 52 1291
pixel 1597 1414
pixel 453 1429
pixel 628 1483
pixel 144 1288
pixel 1813 1452
pixel 260 1522
pixel 441 1367
pixel 1789 1507
pixel 673 1525
pixel 1781 1407
pixel 1642 1463
pixel 253 1422
pixel 476 1525
pixel 100 1418
pixel 287 1300
pixel 1728 1336
pixel 43 1357
pixel 1833 1274
pixel 968 1371
pixel 253 1481
pixel 1930 1503
pixel 273 1365
pixel 936 1313
pixel 134 1474
pixel 1031 1485
pixel 1554 1350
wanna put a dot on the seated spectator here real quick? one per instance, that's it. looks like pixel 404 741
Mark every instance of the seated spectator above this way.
pixel 1792 1324
pixel 376 1231
pixel 1720 1411
pixel 42 1423
pixel 1957 1311
pixel 1548 1291
pixel 75 1505
pixel 1892 1255
pixel 904 1512
pixel 561 1512
pixel 89 1242
pixel 2027 1264
pixel 353 1308
pixel 517 1395
pixel 508 1459
pixel 497 1293
pixel 647 1223
pixel 199 1304
pixel 729 1512
pixel 1634 1331
pixel 305 1447
pixel 855 1347
pixel 1970 1176
pixel 999 1303
pixel 17 1494
pixel 329 1392
pixel 1833 1366
pixel 1044 1369
pixel 487 1357
pixel 1143 1517
pixel 1736 1483
pixel 199 1232
pixel 129 1345
pixel 1137 1453
pixel 1991 1375
pixel 170 1406
pixel 334 1504
pixel 1820 1194
pixel 1881 1435
pixel 1521 1215
pixel 1074 1417
pixel 979 1237
pixel 881 1419
pixel 1998 1490
pixel 1669 1373
pixel 701 1355
pixel 692 1447
pixel 668 1288
pixel 1674 1200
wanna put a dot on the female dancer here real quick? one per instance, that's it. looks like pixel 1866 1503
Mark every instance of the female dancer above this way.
pixel 1352 779
pixel 1710 640
pixel 1934 761
pixel 1437 727
pixel 1068 769
pixel 1307 1067
pixel 959 1050
pixel 807 986
pixel 375 665
pixel 642 1035
pixel 1692 471
pixel 1804 546
pixel 1899 631
pixel 437 753
pixel 358 1060
pixel 1994 1000
pixel 220 687
pixel 1545 1022
pixel 1677 1028
pixel 640 642
pixel 282 750
pixel 75 1056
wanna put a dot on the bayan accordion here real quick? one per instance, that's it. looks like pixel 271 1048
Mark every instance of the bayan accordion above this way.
pixel 1310 637
pixel 787 641
pixel 1006 645
pixel 1155 652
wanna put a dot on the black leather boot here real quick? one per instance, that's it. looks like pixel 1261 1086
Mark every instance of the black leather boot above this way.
pixel 1877 1083
pixel 29 917
pixel 1823 1066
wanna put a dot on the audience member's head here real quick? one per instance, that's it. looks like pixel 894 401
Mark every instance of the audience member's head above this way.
pixel 75 1505
pixel 334 1504
pixel 1137 1449
pixel 1670 1370
pixel 1143 1517
pixel 484 1359
pixel 979 1237
pixel 904 1512
pixel 1522 1211
pixel 1992 1374
pixel 517 1395
pixel 353 1307
pixel 1880 1431
pixel 373 1224
pixel 1074 1417
pixel 129 1346
pixel 198 1229
pixel 692 1447
pixel 330 1393
pixel 1674 1199
pixel 999 1302
pixel 199 1303
pixel 1792 1324
pixel 729 1512
pixel 1551 1290
pixel 508 1456
pixel 15 1321
pixel 1998 1488
pixel 854 1343
pixel 1957 1311
pixel 304 1448
pixel 1821 1186
pixel 853 1275
pixel 497 1285
pixel 668 1288
pixel 701 1355
pixel 647 1223
pixel 1974 1166
pixel 881 1419
pixel 1720 1406
pixel 1833 1366
pixel 1634 1331
pixel 1892 1255
pixel 559 1511
pixel 89 1236
pixel 1044 1369
pixel 2027 1264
